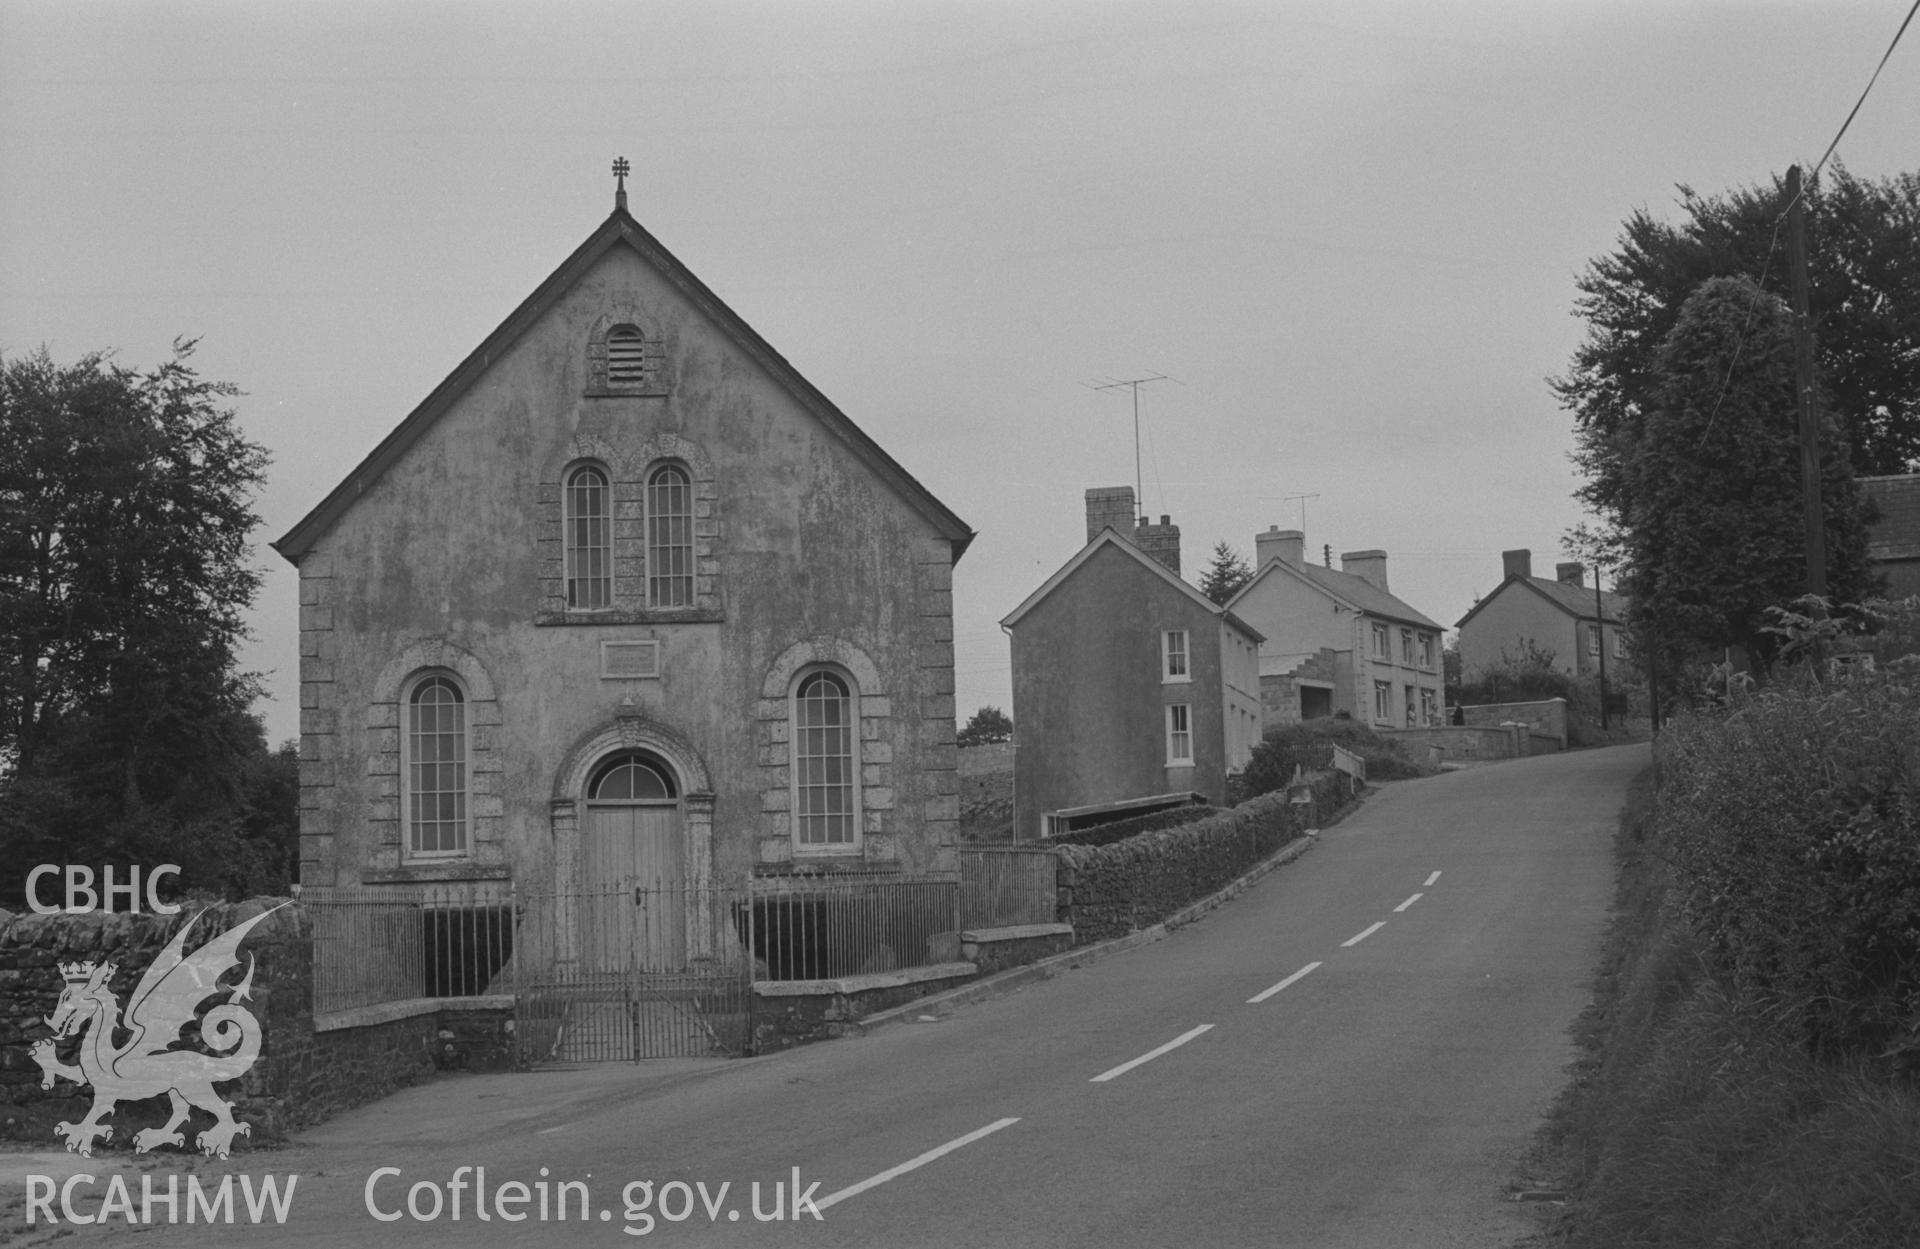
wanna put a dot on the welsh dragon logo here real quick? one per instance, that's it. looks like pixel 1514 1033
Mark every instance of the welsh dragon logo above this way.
pixel 147 1065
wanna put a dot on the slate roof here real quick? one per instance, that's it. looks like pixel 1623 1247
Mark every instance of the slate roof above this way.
pixel 619 229
pixel 1111 537
pixel 1355 591
pixel 1575 600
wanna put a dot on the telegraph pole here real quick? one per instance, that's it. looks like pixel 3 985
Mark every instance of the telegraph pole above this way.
pixel 1803 385
pixel 1600 632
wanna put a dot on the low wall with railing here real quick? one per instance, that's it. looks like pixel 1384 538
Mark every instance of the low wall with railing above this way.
pixel 399 943
pixel 1007 886
pixel 1111 890
pixel 1546 717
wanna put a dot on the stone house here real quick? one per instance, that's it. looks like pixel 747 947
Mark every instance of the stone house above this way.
pixel 1338 640
pixel 1558 617
pixel 625 598
pixel 1129 685
pixel 1893 541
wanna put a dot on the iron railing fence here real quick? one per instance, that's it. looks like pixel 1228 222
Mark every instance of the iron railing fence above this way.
pixel 393 943
pixel 819 926
pixel 1002 886
pixel 631 970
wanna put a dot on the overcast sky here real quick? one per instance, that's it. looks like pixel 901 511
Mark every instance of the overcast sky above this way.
pixel 1350 230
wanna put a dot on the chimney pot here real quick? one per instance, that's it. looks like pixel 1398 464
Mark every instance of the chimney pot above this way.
pixel 1369 566
pixel 1517 563
pixel 1160 542
pixel 1278 543
pixel 1109 507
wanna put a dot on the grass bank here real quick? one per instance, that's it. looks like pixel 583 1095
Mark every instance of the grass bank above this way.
pixel 1695 1118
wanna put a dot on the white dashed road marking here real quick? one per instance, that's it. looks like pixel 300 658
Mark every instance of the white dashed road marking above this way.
pixel 1362 936
pixel 1264 994
pixel 1150 1055
pixel 911 1164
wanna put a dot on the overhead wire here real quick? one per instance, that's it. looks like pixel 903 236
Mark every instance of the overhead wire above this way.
pixel 1759 285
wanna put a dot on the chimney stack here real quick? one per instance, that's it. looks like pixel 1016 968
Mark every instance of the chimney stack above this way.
pixel 1110 507
pixel 1518 563
pixel 1570 574
pixel 1277 543
pixel 1160 542
pixel 1369 566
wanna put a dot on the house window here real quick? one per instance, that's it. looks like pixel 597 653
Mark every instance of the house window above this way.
pixel 1175 668
pixel 669 537
pixel 626 356
pixel 1383 701
pixel 1619 645
pixel 1406 647
pixel 1179 734
pixel 826 779
pixel 589 539
pixel 1593 639
pixel 1426 650
pixel 435 769
pixel 1382 645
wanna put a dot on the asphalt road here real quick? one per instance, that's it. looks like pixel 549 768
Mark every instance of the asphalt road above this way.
pixel 1353 1053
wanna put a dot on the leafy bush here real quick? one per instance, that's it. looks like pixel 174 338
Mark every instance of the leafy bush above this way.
pixel 1309 745
pixel 1790 817
pixel 1527 677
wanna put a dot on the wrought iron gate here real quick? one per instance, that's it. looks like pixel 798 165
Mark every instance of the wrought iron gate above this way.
pixel 629 971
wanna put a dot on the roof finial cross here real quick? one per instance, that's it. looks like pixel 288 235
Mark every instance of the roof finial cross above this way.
pixel 620 171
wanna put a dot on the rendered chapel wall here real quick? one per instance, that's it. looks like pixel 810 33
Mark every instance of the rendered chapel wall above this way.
pixel 807 542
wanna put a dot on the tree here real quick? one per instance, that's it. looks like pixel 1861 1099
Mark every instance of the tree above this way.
pixel 1864 300
pixel 125 510
pixel 1225 575
pixel 1710 513
pixel 989 724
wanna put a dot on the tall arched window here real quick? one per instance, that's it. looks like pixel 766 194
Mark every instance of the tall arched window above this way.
pixel 436 768
pixel 826 776
pixel 589 540
pixel 669 537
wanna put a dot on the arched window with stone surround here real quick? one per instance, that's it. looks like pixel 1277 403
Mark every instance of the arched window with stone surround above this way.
pixel 434 768
pixel 669 537
pixel 826 773
pixel 589 539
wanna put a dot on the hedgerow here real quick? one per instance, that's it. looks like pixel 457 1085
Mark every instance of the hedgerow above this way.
pixel 1791 823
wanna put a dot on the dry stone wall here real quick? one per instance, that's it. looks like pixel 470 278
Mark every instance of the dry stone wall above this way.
pixel 301 1076
pixel 1108 891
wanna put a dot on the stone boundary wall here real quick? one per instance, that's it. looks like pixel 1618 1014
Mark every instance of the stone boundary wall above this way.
pixel 1547 717
pixel 1457 743
pixel 302 1076
pixel 986 773
pixel 1109 891
pixel 987 759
